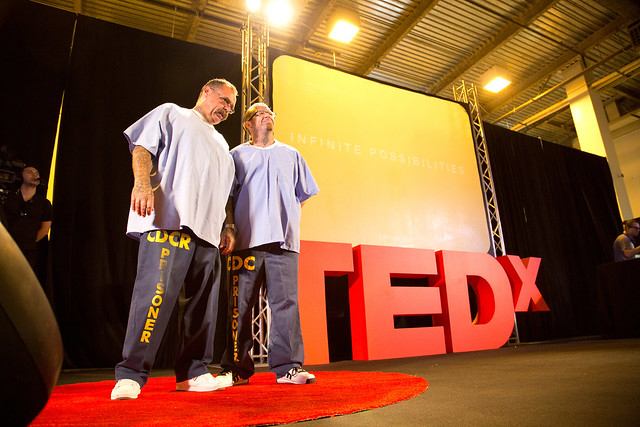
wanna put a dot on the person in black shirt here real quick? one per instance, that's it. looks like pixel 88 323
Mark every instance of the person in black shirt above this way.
pixel 28 216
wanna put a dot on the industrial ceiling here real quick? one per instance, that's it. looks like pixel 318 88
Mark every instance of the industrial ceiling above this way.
pixel 432 46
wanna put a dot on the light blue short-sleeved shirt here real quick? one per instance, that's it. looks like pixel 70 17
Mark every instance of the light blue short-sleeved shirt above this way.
pixel 191 176
pixel 269 185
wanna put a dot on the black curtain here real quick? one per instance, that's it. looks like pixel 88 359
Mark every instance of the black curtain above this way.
pixel 558 204
pixel 34 47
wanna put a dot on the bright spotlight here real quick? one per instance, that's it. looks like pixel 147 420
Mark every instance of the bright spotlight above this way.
pixel 343 24
pixel 495 79
pixel 253 5
pixel 279 12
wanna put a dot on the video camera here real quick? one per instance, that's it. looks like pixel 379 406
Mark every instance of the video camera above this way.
pixel 9 172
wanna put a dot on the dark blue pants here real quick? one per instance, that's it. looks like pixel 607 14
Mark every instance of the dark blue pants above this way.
pixel 278 269
pixel 171 262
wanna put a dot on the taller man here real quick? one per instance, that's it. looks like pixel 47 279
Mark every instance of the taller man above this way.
pixel 272 182
pixel 182 177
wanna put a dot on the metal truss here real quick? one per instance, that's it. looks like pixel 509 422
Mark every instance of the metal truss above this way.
pixel 255 81
pixel 469 95
pixel 261 322
pixel 255 64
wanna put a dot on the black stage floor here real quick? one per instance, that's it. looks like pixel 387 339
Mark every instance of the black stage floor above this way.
pixel 586 382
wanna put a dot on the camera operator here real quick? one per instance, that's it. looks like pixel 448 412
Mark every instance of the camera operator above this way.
pixel 624 247
pixel 28 216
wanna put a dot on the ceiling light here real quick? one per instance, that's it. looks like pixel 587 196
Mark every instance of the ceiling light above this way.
pixel 343 24
pixel 253 5
pixel 279 12
pixel 495 79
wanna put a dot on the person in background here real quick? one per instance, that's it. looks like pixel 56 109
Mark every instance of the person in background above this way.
pixel 29 216
pixel 272 182
pixel 182 179
pixel 624 245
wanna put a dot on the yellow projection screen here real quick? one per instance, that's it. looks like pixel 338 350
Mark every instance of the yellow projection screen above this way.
pixel 394 167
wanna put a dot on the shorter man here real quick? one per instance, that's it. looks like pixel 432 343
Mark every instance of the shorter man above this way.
pixel 623 247
pixel 271 183
pixel 29 216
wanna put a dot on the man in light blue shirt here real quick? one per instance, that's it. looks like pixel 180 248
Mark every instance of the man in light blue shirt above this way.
pixel 182 177
pixel 271 184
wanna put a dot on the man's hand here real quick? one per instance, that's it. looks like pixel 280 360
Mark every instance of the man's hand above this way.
pixel 142 199
pixel 142 193
pixel 227 240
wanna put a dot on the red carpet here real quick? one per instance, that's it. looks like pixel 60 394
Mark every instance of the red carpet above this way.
pixel 261 402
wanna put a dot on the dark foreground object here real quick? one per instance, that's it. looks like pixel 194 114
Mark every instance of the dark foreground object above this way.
pixel 30 341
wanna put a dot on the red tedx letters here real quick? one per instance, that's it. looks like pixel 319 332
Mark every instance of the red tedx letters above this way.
pixel 502 286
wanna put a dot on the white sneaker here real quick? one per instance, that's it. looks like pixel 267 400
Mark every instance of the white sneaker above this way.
pixel 228 379
pixel 204 382
pixel 125 389
pixel 225 378
pixel 297 376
